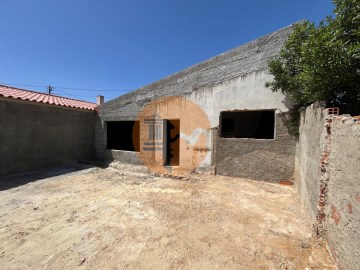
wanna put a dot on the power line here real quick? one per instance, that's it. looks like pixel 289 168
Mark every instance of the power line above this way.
pixel 90 89
pixel 81 96
pixel 69 88
pixel 30 85
pixel 68 94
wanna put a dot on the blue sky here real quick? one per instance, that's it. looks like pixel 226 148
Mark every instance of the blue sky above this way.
pixel 123 45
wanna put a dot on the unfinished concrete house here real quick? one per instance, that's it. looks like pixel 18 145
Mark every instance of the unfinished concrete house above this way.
pixel 39 130
pixel 216 115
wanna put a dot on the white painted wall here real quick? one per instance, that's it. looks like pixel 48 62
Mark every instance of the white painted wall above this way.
pixel 247 92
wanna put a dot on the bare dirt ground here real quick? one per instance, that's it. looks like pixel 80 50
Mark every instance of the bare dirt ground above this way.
pixel 123 217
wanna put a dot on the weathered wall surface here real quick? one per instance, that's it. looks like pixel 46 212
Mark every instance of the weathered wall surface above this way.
pixel 307 159
pixel 327 177
pixel 100 138
pixel 238 93
pixel 258 159
pixel 243 92
pixel 234 80
pixel 35 135
pixel 343 196
pixel 124 156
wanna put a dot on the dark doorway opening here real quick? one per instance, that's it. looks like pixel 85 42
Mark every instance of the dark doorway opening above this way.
pixel 123 135
pixel 248 124
pixel 172 141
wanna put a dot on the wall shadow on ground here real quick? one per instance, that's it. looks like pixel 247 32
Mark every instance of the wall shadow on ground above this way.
pixel 20 179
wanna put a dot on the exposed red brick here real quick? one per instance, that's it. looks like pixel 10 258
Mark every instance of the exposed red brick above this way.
pixel 286 182
pixel 335 215
pixel 334 110
pixel 349 206
pixel 356 197
pixel 324 179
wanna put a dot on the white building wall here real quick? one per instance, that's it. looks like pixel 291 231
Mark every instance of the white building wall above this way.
pixel 246 92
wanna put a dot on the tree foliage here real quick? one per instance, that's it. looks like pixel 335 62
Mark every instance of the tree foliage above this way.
pixel 322 62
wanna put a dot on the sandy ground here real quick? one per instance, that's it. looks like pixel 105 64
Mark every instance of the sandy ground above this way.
pixel 123 217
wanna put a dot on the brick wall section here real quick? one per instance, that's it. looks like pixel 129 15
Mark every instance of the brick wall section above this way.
pixel 327 177
pixel 269 160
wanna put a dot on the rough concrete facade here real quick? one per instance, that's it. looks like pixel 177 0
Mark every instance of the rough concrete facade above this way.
pixel 110 155
pixel 342 208
pixel 100 138
pixel 327 178
pixel 258 159
pixel 234 80
pixel 307 159
pixel 34 135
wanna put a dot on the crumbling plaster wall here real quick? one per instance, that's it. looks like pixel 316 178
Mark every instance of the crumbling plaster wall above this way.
pixel 327 178
pixel 342 208
pixel 307 158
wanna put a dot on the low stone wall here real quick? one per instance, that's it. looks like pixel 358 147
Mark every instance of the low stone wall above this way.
pixel 327 177
pixel 129 157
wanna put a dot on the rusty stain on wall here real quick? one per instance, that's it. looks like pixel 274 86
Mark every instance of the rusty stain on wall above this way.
pixel 335 215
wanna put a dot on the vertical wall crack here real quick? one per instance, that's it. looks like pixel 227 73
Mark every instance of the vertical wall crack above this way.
pixel 324 179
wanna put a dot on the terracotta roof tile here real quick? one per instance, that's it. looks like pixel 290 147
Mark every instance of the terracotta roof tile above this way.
pixel 12 92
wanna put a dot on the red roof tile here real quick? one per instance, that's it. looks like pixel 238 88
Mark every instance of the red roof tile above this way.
pixel 12 92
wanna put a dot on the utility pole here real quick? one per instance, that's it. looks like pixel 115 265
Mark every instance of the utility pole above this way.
pixel 50 88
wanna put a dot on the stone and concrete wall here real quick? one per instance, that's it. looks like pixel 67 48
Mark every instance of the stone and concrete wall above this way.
pixel 234 80
pixel 241 157
pixel 34 135
pixel 327 177
pixel 100 138
pixel 258 159
pixel 342 208
pixel 108 155
pixel 307 159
